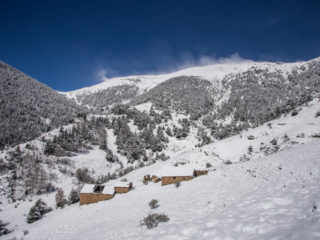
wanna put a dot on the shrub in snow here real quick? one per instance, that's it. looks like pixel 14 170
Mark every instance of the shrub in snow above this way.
pixel 154 203
pixel 60 198
pixel 208 165
pixel 37 211
pixel 162 157
pixel 244 158
pixel 203 137
pixel 152 220
pixel 274 142
pixel 316 135
pixel 64 161
pixel 317 114
pixel 250 150
pixel 250 137
pixel 177 184
pixel 3 229
pixel 227 162
pixel 285 138
pixel 300 135
pixel 50 187
pixel 74 196
pixel 294 112
pixel 83 175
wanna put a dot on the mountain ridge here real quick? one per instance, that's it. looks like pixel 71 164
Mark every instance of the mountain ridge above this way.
pixel 210 72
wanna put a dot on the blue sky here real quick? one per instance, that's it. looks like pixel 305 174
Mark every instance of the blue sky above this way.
pixel 68 44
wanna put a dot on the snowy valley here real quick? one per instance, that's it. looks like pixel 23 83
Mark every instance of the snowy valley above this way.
pixel 255 127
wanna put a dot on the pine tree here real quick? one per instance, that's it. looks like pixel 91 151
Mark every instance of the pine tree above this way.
pixel 49 148
pixel 154 203
pixel 110 157
pixel 60 198
pixel 74 196
pixel 152 112
pixel 160 135
pixel 37 211
pixel 168 132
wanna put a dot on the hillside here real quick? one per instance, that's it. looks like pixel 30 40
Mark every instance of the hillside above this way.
pixel 275 197
pixel 268 192
pixel 247 93
pixel 272 196
pixel 29 108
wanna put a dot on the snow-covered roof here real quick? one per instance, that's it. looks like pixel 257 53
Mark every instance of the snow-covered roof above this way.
pixel 89 188
pixel 200 168
pixel 117 183
pixel 170 171
pixel 108 190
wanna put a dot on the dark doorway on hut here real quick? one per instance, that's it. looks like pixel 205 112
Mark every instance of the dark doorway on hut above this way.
pixel 98 188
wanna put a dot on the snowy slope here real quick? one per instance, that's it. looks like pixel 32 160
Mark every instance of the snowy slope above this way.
pixel 275 197
pixel 287 130
pixel 214 73
pixel 272 197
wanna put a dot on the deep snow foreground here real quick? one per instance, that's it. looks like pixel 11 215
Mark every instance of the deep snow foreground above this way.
pixel 274 197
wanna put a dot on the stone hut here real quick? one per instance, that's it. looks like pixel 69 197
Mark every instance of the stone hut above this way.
pixel 120 186
pixel 92 193
pixel 197 173
pixel 146 179
pixel 155 179
pixel 171 175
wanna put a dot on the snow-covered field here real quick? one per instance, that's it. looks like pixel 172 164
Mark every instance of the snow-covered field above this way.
pixel 275 197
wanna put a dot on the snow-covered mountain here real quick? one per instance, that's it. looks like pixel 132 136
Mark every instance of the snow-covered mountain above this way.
pixel 253 125
pixel 224 90
pixel 213 73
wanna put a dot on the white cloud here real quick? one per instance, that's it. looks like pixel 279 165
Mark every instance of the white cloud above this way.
pixel 187 60
pixel 209 60
pixel 103 74
pixel 167 63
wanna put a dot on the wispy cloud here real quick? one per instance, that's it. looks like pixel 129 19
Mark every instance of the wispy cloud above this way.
pixel 103 74
pixel 166 63
pixel 210 60
pixel 187 60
